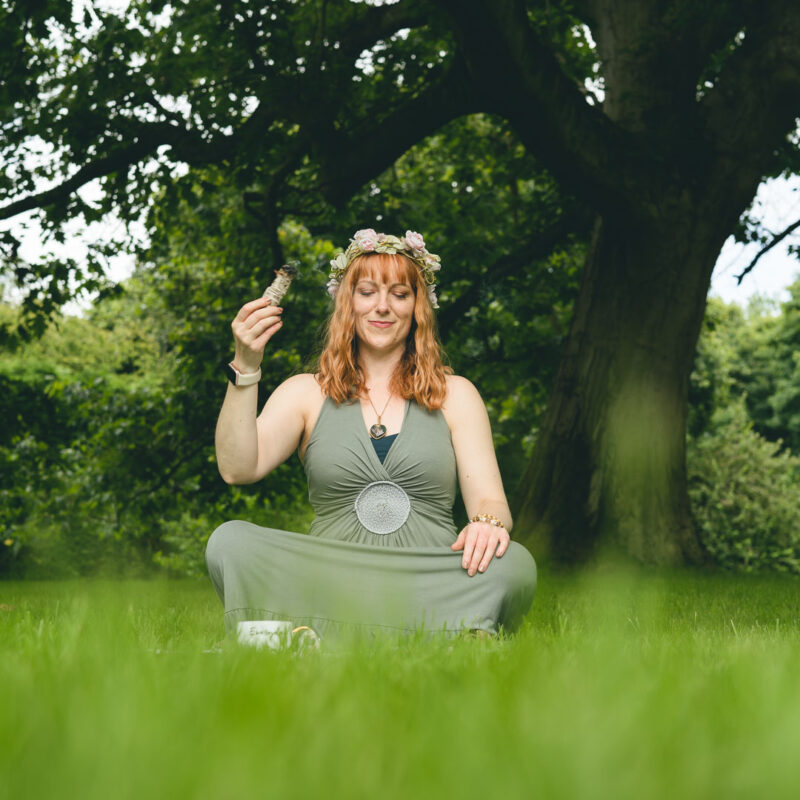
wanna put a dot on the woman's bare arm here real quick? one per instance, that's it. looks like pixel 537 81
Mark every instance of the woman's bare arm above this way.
pixel 249 445
pixel 478 476
pixel 478 473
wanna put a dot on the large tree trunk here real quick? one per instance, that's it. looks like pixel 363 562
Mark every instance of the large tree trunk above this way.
pixel 609 468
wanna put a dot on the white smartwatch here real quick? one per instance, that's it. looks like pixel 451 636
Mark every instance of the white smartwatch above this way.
pixel 242 378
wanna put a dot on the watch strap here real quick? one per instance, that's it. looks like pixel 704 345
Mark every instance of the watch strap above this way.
pixel 242 378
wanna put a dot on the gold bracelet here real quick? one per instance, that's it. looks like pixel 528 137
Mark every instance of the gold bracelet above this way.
pixel 490 518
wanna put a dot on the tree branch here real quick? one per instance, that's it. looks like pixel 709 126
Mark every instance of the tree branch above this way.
pixel 537 247
pixel 756 101
pixel 186 146
pixel 117 160
pixel 717 23
pixel 350 161
pixel 586 10
pixel 268 199
pixel 153 101
pixel 775 241
pixel 517 76
pixel 380 22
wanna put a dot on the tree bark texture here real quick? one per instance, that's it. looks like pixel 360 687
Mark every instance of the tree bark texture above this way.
pixel 609 465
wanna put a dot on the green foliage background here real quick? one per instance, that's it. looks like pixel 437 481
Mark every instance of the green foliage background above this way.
pixel 106 445
pixel 108 462
pixel 744 440
pixel 106 452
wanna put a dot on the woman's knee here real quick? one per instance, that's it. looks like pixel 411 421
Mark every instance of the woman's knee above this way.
pixel 519 585
pixel 221 542
pixel 520 568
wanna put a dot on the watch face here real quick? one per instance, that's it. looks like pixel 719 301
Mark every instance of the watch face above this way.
pixel 231 373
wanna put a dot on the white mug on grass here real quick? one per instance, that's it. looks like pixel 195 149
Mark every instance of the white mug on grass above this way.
pixel 275 634
pixel 272 633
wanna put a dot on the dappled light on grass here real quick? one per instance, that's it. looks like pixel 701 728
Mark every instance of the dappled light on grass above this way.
pixel 620 684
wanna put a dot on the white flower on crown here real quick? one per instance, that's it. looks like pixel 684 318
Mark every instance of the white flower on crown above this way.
pixel 339 263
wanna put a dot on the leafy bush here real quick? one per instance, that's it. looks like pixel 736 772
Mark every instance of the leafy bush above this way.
pixel 745 495
pixel 136 487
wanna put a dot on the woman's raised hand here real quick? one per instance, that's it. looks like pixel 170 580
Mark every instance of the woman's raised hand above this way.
pixel 254 325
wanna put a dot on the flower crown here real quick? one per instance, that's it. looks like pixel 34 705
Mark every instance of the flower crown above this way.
pixel 412 245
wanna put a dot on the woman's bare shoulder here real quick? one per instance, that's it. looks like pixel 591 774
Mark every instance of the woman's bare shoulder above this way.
pixel 300 385
pixel 308 396
pixel 299 393
pixel 304 379
pixel 460 389
pixel 463 405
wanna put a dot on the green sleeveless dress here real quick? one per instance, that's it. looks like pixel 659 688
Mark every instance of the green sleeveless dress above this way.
pixel 378 554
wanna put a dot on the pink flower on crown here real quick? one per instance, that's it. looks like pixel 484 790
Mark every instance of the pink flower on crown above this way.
pixel 366 239
pixel 415 241
pixel 333 287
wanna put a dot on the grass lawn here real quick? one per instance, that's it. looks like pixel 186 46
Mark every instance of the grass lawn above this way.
pixel 621 685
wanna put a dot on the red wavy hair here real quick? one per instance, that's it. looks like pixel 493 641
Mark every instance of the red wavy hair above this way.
pixel 420 375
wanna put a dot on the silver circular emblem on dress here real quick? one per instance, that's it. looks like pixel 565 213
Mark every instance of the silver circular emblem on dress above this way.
pixel 382 507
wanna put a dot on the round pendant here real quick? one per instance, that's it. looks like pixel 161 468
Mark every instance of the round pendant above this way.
pixel 377 431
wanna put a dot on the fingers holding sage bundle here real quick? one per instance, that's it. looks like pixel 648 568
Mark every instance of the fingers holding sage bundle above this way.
pixel 254 325
pixel 258 320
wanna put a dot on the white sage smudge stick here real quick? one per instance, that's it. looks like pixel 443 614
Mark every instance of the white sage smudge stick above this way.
pixel 280 285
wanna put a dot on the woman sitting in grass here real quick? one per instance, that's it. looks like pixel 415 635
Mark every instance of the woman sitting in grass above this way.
pixel 384 430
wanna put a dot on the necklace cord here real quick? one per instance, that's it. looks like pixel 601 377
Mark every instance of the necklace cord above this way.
pixel 375 409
